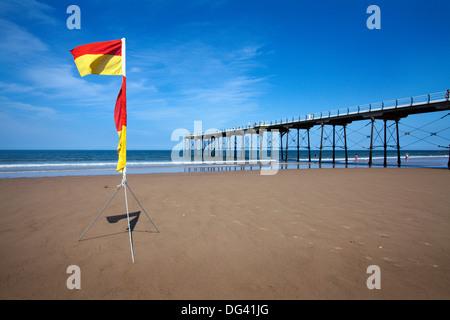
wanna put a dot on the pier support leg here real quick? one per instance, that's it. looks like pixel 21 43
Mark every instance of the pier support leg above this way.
pixel 243 147
pixel 385 145
pixel 261 134
pixel 399 162
pixel 371 143
pixel 334 146
pixel 287 145
pixel 203 148
pixel 448 164
pixel 298 145
pixel 190 150
pixel 221 148
pixel 235 147
pixel 250 154
pixel 227 148
pixel 321 145
pixel 309 147
pixel 271 145
pixel 345 145
pixel 195 149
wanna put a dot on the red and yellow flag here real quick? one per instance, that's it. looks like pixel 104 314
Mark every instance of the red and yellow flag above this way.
pixel 120 117
pixel 105 58
pixel 99 58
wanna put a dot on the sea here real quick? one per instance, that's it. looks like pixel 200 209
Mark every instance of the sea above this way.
pixel 51 163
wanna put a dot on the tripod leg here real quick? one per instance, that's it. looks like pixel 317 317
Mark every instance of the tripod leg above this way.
pixel 100 213
pixel 142 208
pixel 129 228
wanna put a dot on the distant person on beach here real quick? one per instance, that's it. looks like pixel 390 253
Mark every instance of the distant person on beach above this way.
pixel 356 157
pixel 407 156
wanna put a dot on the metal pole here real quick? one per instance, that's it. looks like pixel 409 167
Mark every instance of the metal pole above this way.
pixel 260 134
pixel 321 144
pixel 281 140
pixel 334 147
pixel 271 149
pixel 128 218
pixel 298 145
pixel 190 149
pixel 287 144
pixel 250 155
pixel 448 164
pixel 385 144
pixel 142 208
pixel 221 147
pixel 371 143
pixel 194 140
pixel 117 190
pixel 202 146
pixel 309 147
pixel 184 148
pixel 235 147
pixel 345 145
pixel 228 148
pixel 399 162
pixel 243 147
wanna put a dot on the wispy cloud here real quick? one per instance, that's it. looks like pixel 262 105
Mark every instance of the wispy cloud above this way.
pixel 60 80
pixel 198 81
pixel 59 83
pixel 6 88
pixel 28 9
pixel 16 42
pixel 26 109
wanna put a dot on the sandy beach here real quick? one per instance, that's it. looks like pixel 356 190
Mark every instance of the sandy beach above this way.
pixel 299 234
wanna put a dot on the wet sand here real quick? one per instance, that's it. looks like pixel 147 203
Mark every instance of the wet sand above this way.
pixel 299 234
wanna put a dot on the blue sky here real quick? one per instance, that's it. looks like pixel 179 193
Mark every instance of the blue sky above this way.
pixel 222 62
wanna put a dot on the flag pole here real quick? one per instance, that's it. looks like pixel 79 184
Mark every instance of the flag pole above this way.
pixel 124 76
pixel 124 171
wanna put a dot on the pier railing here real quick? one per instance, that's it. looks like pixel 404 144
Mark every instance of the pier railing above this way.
pixel 371 107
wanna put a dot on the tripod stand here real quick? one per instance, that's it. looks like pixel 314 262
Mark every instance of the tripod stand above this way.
pixel 125 185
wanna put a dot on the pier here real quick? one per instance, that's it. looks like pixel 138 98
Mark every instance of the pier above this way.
pixel 266 138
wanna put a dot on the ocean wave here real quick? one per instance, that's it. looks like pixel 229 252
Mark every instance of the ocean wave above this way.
pixel 87 165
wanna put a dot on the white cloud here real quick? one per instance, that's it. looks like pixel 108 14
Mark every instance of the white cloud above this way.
pixel 29 9
pixel 61 82
pixel 196 80
pixel 16 42
pixel 26 109
pixel 14 88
